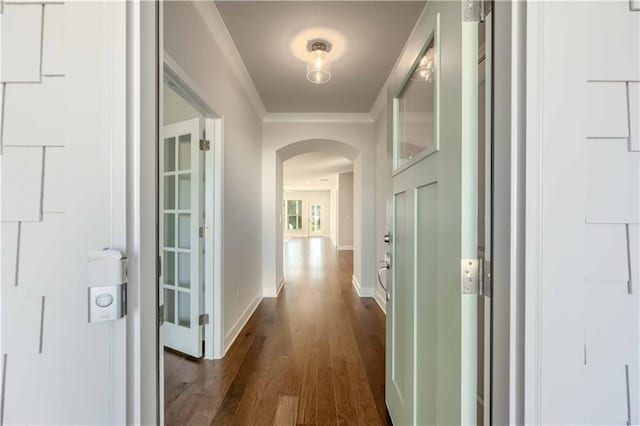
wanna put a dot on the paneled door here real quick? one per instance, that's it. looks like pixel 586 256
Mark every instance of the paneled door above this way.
pixel 181 203
pixel 431 321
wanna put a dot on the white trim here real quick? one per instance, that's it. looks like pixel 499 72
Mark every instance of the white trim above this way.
pixel 269 292
pixel 240 323
pixel 211 16
pixel 318 117
pixel 533 215
pixel 188 88
pixel 142 135
pixel 382 303
pixel 307 188
pixel 345 247
pixel 362 291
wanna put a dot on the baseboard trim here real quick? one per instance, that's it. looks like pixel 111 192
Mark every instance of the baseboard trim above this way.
pixel 382 303
pixel 270 292
pixel 362 291
pixel 231 336
pixel 345 247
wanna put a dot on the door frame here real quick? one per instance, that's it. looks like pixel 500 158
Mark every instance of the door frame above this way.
pixel 214 125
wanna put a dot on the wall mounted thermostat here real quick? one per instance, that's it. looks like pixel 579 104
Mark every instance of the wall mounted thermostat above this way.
pixel 107 285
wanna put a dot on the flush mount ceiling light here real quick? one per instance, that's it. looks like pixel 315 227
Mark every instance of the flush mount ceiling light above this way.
pixel 318 66
pixel 426 67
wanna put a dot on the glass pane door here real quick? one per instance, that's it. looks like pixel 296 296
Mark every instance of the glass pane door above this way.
pixel 314 218
pixel 180 203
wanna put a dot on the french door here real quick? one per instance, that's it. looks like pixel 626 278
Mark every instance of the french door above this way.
pixel 315 224
pixel 432 312
pixel 181 242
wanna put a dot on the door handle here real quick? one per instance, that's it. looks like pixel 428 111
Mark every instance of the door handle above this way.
pixel 386 266
pixel 387 237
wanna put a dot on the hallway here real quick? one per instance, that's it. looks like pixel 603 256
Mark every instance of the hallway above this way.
pixel 314 355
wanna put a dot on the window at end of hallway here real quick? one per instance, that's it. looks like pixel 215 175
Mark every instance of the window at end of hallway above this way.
pixel 294 215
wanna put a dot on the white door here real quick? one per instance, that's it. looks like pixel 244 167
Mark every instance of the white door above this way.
pixel 181 239
pixel 315 223
pixel 431 324
pixel 64 158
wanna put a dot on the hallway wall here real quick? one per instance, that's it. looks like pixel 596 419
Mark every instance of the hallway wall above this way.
pixel 192 44
pixel 345 211
pixel 357 134
pixel 383 195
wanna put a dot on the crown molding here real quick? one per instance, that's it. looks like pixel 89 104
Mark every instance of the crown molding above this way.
pixel 212 18
pixel 318 117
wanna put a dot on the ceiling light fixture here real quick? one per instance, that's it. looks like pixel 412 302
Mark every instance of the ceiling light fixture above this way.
pixel 318 67
pixel 426 67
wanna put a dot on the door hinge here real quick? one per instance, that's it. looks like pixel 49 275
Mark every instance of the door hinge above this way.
pixel 203 319
pixel 160 315
pixel 205 145
pixel 202 231
pixel 473 10
pixel 475 276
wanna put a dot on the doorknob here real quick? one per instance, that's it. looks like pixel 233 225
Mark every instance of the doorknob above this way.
pixel 386 266
pixel 387 237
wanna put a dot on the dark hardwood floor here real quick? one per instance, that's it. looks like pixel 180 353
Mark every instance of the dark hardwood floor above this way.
pixel 315 355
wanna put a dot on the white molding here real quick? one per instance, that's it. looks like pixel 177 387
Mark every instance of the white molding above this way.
pixel 269 292
pixel 318 117
pixel 345 247
pixel 307 188
pixel 211 16
pixel 231 336
pixel 533 216
pixel 382 303
pixel 362 291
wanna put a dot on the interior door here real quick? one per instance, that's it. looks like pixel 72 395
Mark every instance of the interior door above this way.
pixel 315 225
pixel 180 236
pixel 431 325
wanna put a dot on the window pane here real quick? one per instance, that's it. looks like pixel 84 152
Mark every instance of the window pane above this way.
pixel 169 268
pixel 414 120
pixel 184 231
pixel 169 230
pixel 169 192
pixel 184 192
pixel 292 223
pixel 184 270
pixel 169 154
pixel 184 152
pixel 291 207
pixel 184 309
pixel 169 305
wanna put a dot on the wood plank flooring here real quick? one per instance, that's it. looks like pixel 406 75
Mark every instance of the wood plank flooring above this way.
pixel 313 356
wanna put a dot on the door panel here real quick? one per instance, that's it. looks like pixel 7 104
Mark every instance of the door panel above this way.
pixel 431 325
pixel 181 245
pixel 64 159
pixel 425 301
pixel 402 320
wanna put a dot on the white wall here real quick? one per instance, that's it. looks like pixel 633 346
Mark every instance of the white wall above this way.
pixel 345 211
pixel 383 196
pixel 191 44
pixel 308 197
pixel 583 221
pixel 353 140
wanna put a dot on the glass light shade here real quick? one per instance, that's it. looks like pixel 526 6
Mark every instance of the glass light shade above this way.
pixel 318 67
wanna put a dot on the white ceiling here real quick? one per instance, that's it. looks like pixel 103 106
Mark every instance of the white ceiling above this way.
pixel 310 169
pixel 271 37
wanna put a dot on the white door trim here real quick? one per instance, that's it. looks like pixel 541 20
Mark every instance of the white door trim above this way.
pixel 214 184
